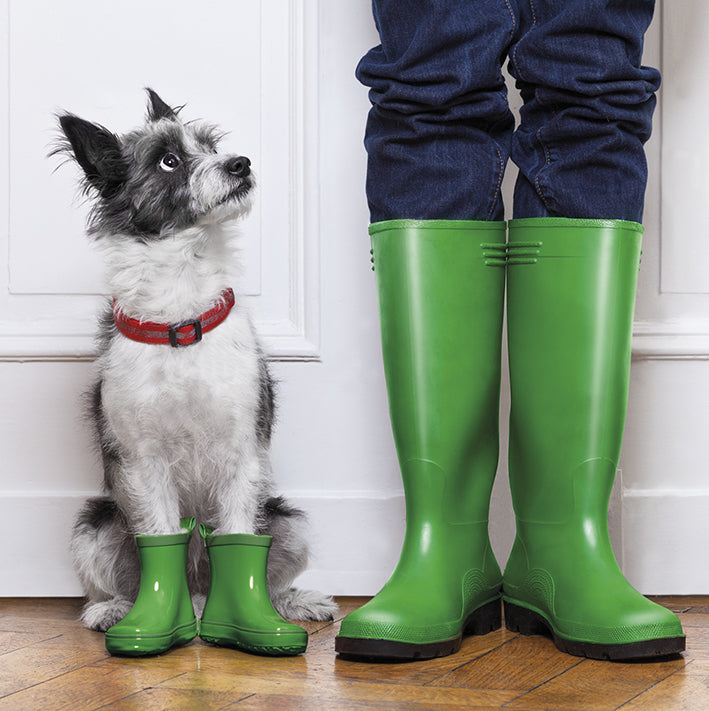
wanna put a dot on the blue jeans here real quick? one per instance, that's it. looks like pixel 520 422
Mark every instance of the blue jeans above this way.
pixel 440 131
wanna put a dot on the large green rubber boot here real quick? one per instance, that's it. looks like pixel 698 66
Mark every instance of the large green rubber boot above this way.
pixel 570 301
pixel 238 612
pixel 162 616
pixel 441 289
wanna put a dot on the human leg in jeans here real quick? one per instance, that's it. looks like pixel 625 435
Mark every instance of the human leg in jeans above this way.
pixel 573 258
pixel 588 105
pixel 438 139
pixel 438 134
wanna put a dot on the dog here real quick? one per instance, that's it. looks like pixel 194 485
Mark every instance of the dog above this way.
pixel 184 426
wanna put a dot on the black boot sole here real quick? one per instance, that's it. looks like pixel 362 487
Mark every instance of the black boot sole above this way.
pixel 526 622
pixel 487 618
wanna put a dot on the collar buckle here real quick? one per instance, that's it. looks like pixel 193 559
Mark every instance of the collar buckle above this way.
pixel 174 328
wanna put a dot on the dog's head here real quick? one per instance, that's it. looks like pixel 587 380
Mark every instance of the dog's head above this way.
pixel 162 177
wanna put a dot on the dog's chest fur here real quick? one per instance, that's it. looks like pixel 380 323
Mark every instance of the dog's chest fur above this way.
pixel 195 394
pixel 192 407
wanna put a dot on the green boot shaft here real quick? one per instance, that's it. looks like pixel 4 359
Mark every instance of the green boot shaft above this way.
pixel 571 295
pixel 440 287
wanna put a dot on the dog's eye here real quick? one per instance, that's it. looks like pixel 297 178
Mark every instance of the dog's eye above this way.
pixel 169 162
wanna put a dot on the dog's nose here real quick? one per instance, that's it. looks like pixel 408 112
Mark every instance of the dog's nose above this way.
pixel 239 166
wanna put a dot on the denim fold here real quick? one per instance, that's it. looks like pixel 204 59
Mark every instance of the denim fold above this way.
pixel 440 131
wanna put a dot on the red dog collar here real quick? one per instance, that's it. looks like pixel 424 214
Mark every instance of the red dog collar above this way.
pixel 175 334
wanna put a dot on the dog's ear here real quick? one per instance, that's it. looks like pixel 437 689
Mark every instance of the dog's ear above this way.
pixel 97 151
pixel 158 109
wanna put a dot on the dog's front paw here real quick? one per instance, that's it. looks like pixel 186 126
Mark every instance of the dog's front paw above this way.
pixel 294 604
pixel 100 616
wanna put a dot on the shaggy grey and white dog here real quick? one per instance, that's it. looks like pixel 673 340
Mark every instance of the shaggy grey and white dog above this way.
pixel 183 431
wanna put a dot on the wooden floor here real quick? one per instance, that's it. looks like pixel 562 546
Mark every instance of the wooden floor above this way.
pixel 49 661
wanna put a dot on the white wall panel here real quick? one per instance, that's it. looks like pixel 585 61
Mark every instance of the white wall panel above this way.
pixel 665 509
pixel 100 59
pixel 270 98
pixel 665 536
pixel 673 297
pixel 685 155
pixel 665 497
pixel 246 66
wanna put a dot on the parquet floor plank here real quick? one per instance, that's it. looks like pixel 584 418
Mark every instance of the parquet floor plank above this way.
pixel 49 661
pixel 84 689
pixel 596 686
pixel 42 662
pixel 158 699
pixel 333 691
pixel 521 664
pixel 688 692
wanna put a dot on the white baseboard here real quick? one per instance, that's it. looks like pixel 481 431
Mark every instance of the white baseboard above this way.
pixel 665 541
pixel 35 551
pixel 355 542
pixel 356 539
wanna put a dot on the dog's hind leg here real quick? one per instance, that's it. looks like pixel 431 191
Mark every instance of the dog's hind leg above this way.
pixel 288 558
pixel 106 561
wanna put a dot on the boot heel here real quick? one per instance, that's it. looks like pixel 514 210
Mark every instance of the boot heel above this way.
pixel 524 621
pixel 487 618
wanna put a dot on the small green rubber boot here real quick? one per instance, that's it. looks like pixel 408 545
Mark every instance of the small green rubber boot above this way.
pixel 238 612
pixel 441 289
pixel 162 616
pixel 570 300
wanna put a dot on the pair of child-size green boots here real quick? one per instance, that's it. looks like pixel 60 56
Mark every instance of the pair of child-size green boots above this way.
pixel 238 612
pixel 570 300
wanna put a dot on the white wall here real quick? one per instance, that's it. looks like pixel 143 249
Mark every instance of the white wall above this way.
pixel 666 449
pixel 297 110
